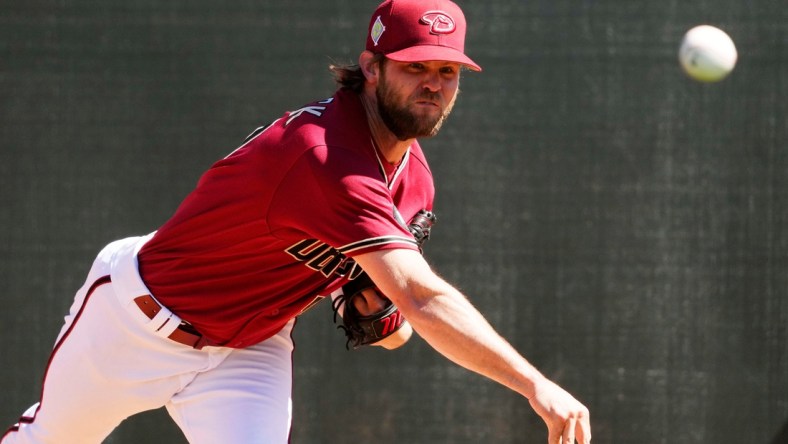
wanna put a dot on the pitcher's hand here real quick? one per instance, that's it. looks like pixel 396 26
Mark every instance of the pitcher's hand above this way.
pixel 566 418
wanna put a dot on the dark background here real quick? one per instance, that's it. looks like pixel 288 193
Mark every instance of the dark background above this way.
pixel 622 225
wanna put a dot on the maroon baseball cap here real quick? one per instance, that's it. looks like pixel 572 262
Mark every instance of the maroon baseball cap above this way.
pixel 418 31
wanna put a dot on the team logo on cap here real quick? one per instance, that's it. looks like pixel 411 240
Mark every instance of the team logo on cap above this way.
pixel 377 31
pixel 438 21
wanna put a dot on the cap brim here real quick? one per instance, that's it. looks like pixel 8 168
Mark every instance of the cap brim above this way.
pixel 429 52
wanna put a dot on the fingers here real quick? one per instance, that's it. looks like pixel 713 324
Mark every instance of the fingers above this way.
pixel 584 428
pixel 554 435
pixel 370 302
pixel 561 433
pixel 574 428
pixel 577 428
pixel 566 418
pixel 568 436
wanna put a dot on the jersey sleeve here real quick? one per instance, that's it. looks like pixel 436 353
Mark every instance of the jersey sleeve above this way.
pixel 340 198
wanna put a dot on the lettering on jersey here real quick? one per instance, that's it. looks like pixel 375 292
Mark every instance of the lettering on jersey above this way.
pixel 255 133
pixel 321 257
pixel 314 110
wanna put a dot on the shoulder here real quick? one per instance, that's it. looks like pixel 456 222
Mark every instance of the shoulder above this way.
pixel 307 131
pixel 337 120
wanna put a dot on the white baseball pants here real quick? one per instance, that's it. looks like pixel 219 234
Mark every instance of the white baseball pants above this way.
pixel 109 362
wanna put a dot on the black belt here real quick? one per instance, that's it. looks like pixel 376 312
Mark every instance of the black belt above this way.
pixel 185 334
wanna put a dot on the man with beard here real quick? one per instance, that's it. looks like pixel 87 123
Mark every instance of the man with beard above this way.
pixel 198 315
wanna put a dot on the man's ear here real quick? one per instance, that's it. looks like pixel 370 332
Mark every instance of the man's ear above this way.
pixel 369 66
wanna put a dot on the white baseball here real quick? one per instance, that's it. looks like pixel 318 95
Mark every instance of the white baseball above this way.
pixel 707 54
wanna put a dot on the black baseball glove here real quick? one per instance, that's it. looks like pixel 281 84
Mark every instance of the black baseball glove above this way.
pixel 369 329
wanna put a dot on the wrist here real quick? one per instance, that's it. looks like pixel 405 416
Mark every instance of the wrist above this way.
pixel 528 381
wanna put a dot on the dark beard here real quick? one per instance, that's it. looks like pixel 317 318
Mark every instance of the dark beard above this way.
pixel 400 121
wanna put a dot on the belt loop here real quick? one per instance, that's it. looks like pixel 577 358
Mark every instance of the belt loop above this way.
pixel 202 342
pixel 164 323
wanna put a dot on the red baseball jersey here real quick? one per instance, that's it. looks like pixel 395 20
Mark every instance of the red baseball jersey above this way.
pixel 274 225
